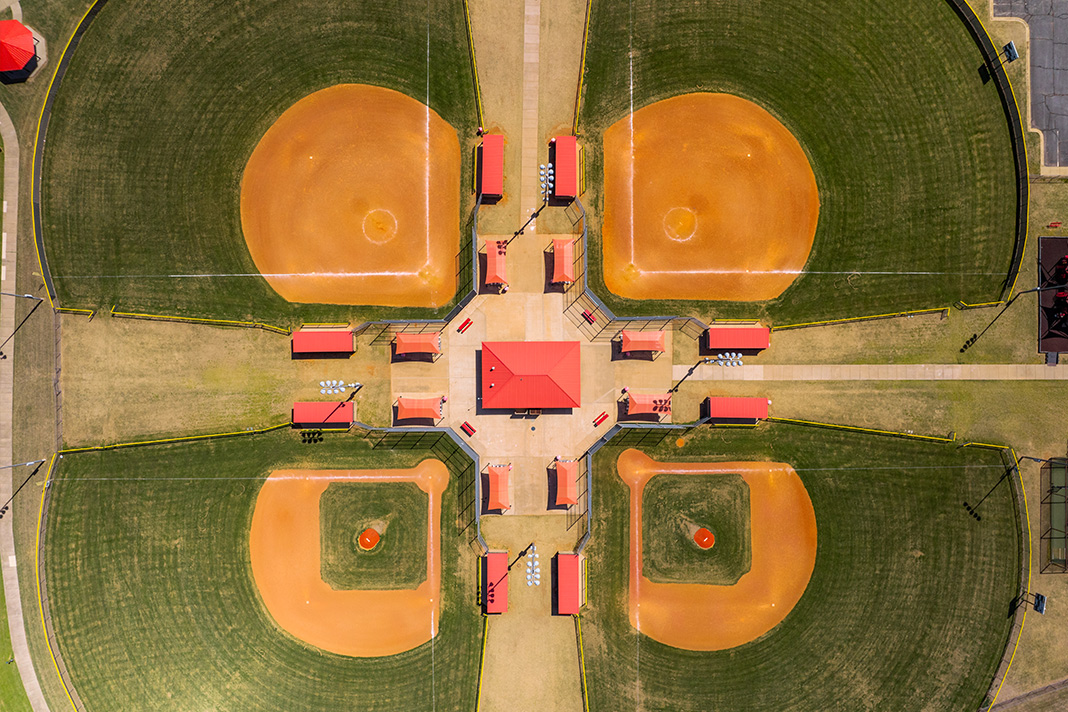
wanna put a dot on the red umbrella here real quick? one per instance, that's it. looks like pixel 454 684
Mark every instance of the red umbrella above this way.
pixel 16 46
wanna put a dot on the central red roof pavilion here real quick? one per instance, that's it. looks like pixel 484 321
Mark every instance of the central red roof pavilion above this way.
pixel 531 374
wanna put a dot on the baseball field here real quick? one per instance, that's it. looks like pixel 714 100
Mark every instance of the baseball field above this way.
pixel 145 211
pixel 896 553
pixel 910 150
pixel 157 601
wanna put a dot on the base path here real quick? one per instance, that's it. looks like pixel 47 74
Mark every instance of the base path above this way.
pixel 285 551
pixel 878 372
pixel 703 617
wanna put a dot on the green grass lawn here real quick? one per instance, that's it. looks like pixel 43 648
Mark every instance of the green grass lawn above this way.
pixel 675 505
pixel 910 149
pixel 187 90
pixel 907 608
pixel 12 694
pixel 398 510
pixel 155 606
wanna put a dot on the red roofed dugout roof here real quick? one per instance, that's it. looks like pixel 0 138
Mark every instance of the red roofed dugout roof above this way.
pixel 322 341
pixel 737 408
pixel 568 584
pixel 495 584
pixel 323 413
pixel 491 165
pixel 749 337
pixel 531 374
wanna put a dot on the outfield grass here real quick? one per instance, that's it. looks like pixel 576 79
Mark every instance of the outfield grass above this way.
pixel 398 510
pixel 907 608
pixel 155 606
pixel 673 505
pixel 911 151
pixel 187 90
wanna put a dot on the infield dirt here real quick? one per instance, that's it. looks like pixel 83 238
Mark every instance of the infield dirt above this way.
pixel 704 617
pixel 352 197
pixel 707 196
pixel 285 552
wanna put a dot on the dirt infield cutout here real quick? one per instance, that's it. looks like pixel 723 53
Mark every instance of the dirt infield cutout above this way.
pixel 285 551
pixel 707 617
pixel 707 196
pixel 352 197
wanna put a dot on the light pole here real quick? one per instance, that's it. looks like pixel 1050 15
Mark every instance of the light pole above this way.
pixel 975 337
pixel 3 509
pixel 675 388
pixel 38 301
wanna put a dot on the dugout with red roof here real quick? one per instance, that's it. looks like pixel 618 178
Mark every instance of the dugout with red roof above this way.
pixel 563 153
pixel 531 374
pixel 568 588
pixel 744 337
pixel 495 582
pixel 320 413
pixel 322 341
pixel 736 410
pixel 491 166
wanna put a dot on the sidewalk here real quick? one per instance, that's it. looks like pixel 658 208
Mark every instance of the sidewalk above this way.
pixel 877 372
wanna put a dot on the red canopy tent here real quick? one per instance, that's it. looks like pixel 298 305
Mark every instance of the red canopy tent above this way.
pixel 642 341
pixel 322 341
pixel 642 404
pixel 323 413
pixel 497 497
pixel 733 409
pixel 418 343
pixel 496 262
pixel 531 374
pixel 563 260
pixel 424 408
pixel 495 581
pixel 565 167
pixel 568 584
pixel 16 46
pixel 491 166
pixel 749 337
pixel 566 487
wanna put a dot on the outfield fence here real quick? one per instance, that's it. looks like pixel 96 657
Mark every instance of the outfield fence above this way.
pixel 199 320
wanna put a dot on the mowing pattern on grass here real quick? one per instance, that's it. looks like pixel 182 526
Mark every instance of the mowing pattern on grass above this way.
pixel 907 608
pixel 154 603
pixel 911 150
pixel 397 510
pixel 189 89
pixel 674 507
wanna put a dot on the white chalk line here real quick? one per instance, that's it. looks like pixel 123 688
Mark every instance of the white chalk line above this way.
pixel 216 275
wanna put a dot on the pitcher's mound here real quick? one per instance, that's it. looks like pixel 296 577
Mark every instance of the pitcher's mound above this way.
pixel 353 197
pixel 707 196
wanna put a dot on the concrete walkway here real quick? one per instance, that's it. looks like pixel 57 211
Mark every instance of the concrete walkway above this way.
pixel 529 198
pixel 877 372
pixel 15 620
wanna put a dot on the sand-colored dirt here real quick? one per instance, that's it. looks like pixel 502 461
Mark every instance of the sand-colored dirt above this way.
pixel 706 196
pixel 703 617
pixel 285 551
pixel 352 197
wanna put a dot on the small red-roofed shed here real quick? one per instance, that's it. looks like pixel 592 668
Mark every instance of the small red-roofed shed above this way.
pixel 495 582
pixel 419 408
pixel 310 342
pixel 564 155
pixel 417 343
pixel 641 341
pixel 17 48
pixel 569 586
pixel 497 498
pixel 566 482
pixel 320 413
pixel 531 374
pixel 744 337
pixel 496 261
pixel 649 403
pixel 563 260
pixel 491 166
pixel 735 410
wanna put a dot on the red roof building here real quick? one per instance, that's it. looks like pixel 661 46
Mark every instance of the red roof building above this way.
pixel 322 341
pixel 531 374
pixel 418 343
pixel 746 337
pixel 645 404
pixel 564 157
pixel 736 410
pixel 568 584
pixel 497 498
pixel 323 413
pixel 495 582
pixel 491 166
pixel 642 341
pixel 566 482
pixel 16 46
pixel 496 261
pixel 419 408
pixel 563 260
